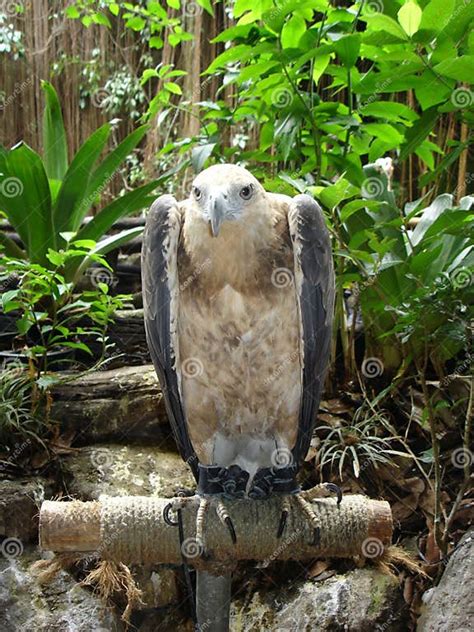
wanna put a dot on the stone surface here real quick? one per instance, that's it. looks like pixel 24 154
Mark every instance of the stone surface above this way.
pixel 449 607
pixel 122 404
pixel 159 586
pixel 60 606
pixel 361 600
pixel 20 500
pixel 118 470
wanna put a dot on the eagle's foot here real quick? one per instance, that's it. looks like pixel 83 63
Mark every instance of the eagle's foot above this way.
pixel 222 514
pixel 304 500
pixel 226 520
pixel 322 490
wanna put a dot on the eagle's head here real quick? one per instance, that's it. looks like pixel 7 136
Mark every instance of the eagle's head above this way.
pixel 226 193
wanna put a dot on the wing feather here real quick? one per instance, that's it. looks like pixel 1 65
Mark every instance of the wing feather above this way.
pixel 160 302
pixel 314 278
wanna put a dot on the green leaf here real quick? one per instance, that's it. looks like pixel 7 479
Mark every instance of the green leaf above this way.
pixel 240 52
pixel 54 135
pixel 114 8
pixel 200 154
pixel 68 207
pixel 129 203
pixel 430 215
pixel 155 42
pixel 319 66
pixel 385 132
pixel 107 245
pixel 148 74
pixel 389 110
pixel 443 165
pixel 380 22
pixel 100 18
pixel 460 68
pixel 135 23
pixel 72 12
pixel 436 15
pixel 104 173
pixel 409 17
pixel 348 48
pixel 172 87
pixel 26 200
pixel 292 32
pixel 333 195
pixel 207 6
pixel 415 135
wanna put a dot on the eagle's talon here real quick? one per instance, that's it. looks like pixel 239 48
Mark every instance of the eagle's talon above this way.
pixel 167 517
pixel 316 541
pixel 282 523
pixel 332 487
pixel 230 527
pixel 285 510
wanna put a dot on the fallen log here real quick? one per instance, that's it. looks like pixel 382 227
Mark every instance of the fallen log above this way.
pixel 132 530
pixel 102 405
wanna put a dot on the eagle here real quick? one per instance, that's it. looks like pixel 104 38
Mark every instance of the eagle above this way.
pixel 238 288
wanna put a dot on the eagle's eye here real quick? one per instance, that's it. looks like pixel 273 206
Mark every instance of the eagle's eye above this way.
pixel 246 192
pixel 197 193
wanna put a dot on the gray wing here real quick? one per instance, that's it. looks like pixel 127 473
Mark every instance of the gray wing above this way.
pixel 314 279
pixel 160 285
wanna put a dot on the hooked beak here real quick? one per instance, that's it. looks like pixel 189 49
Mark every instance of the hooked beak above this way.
pixel 217 214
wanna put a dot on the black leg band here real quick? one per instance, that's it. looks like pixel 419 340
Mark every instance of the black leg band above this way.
pixel 227 481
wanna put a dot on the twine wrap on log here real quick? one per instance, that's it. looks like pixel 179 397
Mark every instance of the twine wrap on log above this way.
pixel 132 530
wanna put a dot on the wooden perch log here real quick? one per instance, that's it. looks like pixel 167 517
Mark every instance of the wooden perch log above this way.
pixel 132 530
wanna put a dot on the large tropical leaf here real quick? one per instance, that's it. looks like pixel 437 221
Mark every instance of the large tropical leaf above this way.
pixel 102 248
pixel 25 198
pixel 70 201
pixel 128 203
pixel 54 135
pixel 106 170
